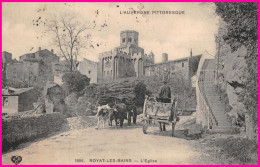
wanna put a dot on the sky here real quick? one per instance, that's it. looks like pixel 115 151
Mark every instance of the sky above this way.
pixel 174 34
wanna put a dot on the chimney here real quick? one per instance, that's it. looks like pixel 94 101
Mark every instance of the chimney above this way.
pixel 191 52
pixel 40 49
pixel 164 57
pixel 52 51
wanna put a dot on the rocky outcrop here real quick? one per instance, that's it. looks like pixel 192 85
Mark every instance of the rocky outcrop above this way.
pixel 54 99
pixel 232 76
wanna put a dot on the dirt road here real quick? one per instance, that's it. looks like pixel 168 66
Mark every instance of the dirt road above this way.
pixel 127 145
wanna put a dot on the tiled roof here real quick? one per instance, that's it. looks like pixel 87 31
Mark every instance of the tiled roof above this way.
pixel 14 91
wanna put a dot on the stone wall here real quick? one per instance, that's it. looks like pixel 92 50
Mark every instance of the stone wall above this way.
pixel 23 129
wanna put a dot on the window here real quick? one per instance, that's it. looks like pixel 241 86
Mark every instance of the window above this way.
pixel 5 101
pixel 123 39
pixel 89 72
pixel 111 72
pixel 182 65
pixel 129 39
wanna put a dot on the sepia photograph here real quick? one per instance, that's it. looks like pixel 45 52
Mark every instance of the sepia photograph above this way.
pixel 129 83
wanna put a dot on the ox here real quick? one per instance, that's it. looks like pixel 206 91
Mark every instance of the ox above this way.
pixel 104 114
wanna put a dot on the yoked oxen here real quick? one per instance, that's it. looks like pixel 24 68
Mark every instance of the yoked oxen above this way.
pixel 121 113
pixel 118 113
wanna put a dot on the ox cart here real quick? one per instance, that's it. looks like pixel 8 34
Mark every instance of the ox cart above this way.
pixel 163 113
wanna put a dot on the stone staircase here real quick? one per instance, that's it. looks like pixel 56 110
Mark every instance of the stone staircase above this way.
pixel 212 97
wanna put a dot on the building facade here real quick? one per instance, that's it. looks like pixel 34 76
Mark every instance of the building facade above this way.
pixel 32 68
pixel 62 67
pixel 6 58
pixel 89 68
pixel 184 67
pixel 28 72
pixel 18 100
pixel 127 60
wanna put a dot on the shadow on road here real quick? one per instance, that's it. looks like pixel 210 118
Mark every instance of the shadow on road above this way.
pixel 125 126
pixel 152 130
pixel 177 133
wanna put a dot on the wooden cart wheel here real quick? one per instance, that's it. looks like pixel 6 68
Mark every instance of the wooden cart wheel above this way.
pixel 145 126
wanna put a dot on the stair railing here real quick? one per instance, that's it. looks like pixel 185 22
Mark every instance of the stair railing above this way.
pixel 205 113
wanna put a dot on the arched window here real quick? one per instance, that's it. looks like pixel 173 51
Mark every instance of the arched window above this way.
pixel 129 39
pixel 123 39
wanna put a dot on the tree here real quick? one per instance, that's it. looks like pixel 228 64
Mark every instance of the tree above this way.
pixel 75 81
pixel 69 36
pixel 242 29
pixel 28 77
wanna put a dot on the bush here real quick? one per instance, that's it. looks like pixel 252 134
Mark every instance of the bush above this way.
pixel 241 149
pixel 75 81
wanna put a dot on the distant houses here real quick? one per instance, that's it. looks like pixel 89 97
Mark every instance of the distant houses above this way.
pixel 40 67
pixel 127 60
pixel 44 66
pixel 32 68
pixel 186 67
pixel 35 69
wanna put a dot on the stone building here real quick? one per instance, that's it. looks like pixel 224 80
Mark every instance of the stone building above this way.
pixel 18 100
pixel 127 60
pixel 47 57
pixel 62 67
pixel 186 67
pixel 6 58
pixel 89 68
pixel 27 71
pixel 32 67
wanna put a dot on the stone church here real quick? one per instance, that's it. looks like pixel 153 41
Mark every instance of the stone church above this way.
pixel 126 60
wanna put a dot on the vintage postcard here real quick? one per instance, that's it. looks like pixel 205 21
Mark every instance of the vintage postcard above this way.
pixel 120 83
